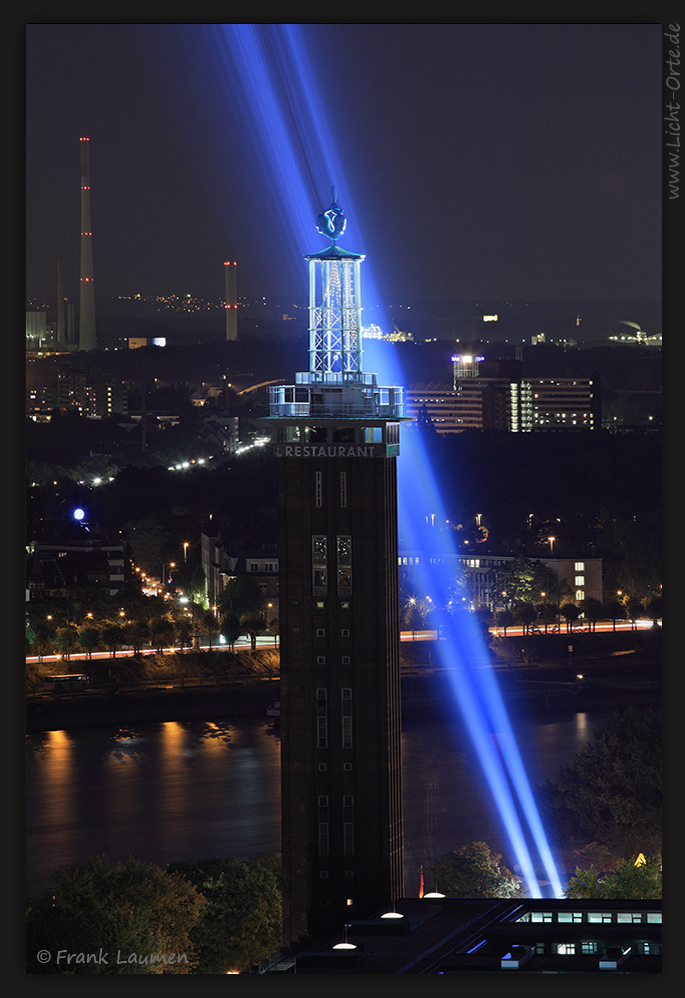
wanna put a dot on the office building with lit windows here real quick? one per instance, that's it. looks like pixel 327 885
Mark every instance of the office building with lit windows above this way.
pixel 493 395
pixel 336 435
pixel 579 578
pixel 438 935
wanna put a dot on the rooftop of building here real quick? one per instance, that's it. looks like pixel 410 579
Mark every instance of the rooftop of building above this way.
pixel 439 935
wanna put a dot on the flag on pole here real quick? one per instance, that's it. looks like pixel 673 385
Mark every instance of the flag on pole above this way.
pixel 421 883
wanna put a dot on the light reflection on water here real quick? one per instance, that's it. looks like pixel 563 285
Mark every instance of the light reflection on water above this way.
pixel 178 791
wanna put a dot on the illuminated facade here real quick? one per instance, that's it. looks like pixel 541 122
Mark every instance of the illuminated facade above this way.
pixel 493 395
pixel 336 442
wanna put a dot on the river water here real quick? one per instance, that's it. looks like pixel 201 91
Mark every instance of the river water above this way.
pixel 193 790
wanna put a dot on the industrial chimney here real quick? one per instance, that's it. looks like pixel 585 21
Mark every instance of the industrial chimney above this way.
pixel 61 308
pixel 231 303
pixel 87 300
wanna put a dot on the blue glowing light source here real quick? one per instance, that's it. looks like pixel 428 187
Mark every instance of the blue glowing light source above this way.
pixel 78 514
pixel 268 73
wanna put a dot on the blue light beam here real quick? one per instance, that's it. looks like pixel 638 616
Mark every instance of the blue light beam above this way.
pixel 266 71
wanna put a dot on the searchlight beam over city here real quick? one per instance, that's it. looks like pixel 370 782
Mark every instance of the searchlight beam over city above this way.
pixel 293 145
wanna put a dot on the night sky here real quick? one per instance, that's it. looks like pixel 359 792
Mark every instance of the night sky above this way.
pixel 485 161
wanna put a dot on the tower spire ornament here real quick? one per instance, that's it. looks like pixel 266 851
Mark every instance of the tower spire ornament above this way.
pixel 332 222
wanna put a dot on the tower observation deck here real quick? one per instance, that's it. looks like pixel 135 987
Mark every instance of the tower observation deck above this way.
pixel 336 442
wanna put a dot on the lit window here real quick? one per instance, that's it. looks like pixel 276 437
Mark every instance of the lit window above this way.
pixel 566 949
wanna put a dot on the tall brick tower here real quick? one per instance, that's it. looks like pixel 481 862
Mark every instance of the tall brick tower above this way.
pixel 337 443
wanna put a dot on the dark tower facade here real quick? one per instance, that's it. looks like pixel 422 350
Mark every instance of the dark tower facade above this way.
pixel 337 443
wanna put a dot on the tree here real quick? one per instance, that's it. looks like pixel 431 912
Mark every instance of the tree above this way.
pixel 473 871
pixel 162 631
pixel 524 580
pixel 209 622
pixel 241 595
pixel 504 619
pixel 654 608
pixel 252 624
pixel 147 539
pixel 592 608
pixel 635 878
pixel 611 793
pixel 570 613
pixel 525 614
pixel 112 637
pixel 184 631
pixel 139 634
pixel 42 640
pixel 133 917
pixel 414 616
pixel 231 628
pixel 242 920
pixel 547 613
pixel 66 639
pixel 634 608
pixel 88 637
pixel 614 610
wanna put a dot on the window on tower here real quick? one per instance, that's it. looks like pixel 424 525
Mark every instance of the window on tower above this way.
pixel 344 550
pixel 319 564
pixel 346 711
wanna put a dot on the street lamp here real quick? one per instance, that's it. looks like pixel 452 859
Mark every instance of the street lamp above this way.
pixel 195 637
pixel 551 544
pixel 170 564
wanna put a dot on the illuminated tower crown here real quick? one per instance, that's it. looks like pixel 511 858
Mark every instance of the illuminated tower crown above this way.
pixel 335 385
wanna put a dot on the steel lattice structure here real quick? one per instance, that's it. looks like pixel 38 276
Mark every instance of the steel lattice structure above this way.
pixel 334 316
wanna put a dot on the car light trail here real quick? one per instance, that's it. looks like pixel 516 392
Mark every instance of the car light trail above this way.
pixel 267 66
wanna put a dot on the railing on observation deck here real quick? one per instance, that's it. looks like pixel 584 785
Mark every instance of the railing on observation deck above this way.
pixel 377 403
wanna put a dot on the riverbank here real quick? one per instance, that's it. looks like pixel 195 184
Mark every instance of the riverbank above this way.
pixel 609 681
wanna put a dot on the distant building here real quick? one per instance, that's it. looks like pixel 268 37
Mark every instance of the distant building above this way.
pixel 220 433
pixel 37 330
pixel 90 395
pixel 488 395
pixel 435 935
pixel 72 558
pixel 250 550
pixel 580 577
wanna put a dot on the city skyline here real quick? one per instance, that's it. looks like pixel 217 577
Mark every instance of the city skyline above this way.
pixel 498 160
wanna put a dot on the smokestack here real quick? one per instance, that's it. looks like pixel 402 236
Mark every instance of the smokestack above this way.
pixel 61 307
pixel 86 340
pixel 231 304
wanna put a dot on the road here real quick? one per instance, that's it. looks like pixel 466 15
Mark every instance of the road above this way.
pixel 269 642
